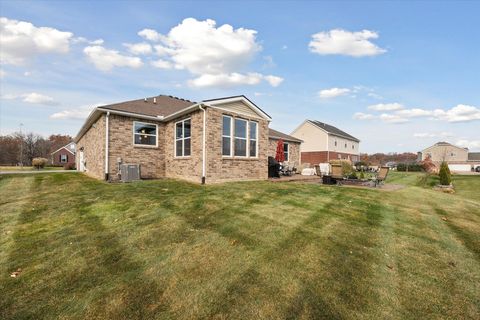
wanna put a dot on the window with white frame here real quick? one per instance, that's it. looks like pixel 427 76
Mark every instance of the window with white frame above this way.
pixel 345 146
pixel 335 143
pixel 144 134
pixel 63 158
pixel 253 139
pixel 240 138
pixel 227 136
pixel 286 151
pixel 353 146
pixel 183 138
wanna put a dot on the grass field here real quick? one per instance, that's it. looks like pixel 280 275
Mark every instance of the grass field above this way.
pixel 167 249
pixel 27 168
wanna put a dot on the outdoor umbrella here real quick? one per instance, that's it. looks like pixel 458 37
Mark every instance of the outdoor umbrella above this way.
pixel 280 155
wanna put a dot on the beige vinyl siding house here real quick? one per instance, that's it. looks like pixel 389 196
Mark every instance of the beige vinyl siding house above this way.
pixel 210 141
pixel 323 142
pixel 458 159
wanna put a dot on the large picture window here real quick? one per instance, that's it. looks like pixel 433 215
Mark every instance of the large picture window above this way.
pixel 144 134
pixel 240 145
pixel 227 136
pixel 239 137
pixel 183 138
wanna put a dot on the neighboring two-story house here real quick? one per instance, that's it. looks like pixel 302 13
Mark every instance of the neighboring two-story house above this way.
pixel 323 142
pixel 457 158
pixel 210 141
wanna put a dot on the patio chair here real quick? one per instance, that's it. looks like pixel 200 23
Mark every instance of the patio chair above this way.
pixel 381 176
pixel 337 172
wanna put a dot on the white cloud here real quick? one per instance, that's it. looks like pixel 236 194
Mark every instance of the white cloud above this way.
pixel 414 113
pixel 150 34
pixel 217 56
pixel 342 42
pixel 392 118
pixel 32 97
pixel 470 144
pixel 79 113
pixel 433 135
pixel 162 64
pixel 385 107
pixel 363 116
pixel 85 40
pixel 459 113
pixel 2 74
pixel 21 41
pixel 105 59
pixel 374 95
pixel 333 92
pixel 274 81
pixel 139 48
pixel 38 98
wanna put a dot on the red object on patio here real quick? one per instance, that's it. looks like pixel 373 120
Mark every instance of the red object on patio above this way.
pixel 280 155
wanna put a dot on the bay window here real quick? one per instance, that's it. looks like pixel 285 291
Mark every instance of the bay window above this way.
pixel 253 139
pixel 144 134
pixel 183 138
pixel 227 136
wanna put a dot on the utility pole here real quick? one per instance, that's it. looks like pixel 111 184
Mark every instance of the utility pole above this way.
pixel 21 146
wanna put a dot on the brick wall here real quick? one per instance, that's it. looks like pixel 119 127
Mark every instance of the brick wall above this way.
pixel 56 157
pixel 293 150
pixel 186 168
pixel 93 144
pixel 150 158
pixel 227 169
pixel 316 157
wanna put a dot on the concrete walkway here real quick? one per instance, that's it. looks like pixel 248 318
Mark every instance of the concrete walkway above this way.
pixel 36 171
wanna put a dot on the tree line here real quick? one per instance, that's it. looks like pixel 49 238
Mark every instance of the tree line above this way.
pixel 378 159
pixel 19 148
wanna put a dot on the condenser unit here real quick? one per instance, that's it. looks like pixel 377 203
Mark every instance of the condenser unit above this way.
pixel 129 172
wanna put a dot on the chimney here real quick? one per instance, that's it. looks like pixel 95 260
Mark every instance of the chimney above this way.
pixel 155 100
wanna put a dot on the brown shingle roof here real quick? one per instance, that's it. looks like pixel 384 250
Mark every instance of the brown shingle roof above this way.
pixel 164 106
pixel 274 134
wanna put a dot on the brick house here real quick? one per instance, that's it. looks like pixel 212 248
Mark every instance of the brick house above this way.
pixel 210 141
pixel 291 146
pixel 323 142
pixel 64 155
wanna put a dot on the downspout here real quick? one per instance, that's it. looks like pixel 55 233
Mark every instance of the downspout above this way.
pixel 204 168
pixel 106 145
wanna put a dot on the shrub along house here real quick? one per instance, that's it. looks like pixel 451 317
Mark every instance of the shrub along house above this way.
pixel 209 141
pixel 64 155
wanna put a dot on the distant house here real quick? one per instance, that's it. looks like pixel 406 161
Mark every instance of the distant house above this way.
pixel 458 158
pixel 64 155
pixel 323 142
pixel 224 139
pixel 291 146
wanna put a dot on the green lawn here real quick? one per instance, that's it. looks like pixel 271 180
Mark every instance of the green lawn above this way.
pixel 168 249
pixel 27 168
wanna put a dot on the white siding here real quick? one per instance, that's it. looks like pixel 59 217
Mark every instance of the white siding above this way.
pixel 340 147
pixel 314 139
pixel 239 108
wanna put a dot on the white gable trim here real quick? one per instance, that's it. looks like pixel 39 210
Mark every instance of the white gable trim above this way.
pixel 216 102
pixel 64 147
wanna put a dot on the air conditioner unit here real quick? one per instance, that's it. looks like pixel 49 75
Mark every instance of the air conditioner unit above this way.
pixel 129 172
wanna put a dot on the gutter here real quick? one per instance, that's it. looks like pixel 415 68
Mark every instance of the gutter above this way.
pixel 204 167
pixel 106 144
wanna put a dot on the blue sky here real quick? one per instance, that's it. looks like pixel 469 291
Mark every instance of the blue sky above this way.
pixel 399 76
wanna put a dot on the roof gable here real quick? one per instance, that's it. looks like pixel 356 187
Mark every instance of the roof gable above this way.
pixel 238 104
pixel 445 144
pixel 66 147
